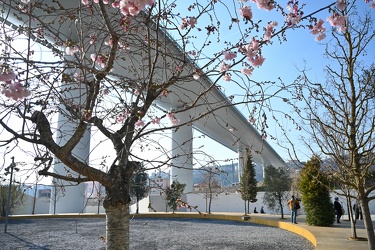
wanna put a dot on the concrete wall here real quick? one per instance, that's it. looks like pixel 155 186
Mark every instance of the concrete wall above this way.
pixel 231 202
pixel 41 206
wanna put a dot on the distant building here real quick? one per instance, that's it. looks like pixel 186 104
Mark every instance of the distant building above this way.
pixel 158 182
pixel 44 193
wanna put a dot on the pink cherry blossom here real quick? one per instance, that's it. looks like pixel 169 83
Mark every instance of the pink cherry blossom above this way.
pixel 156 120
pixel 172 118
pixel 253 53
pixel 164 92
pixel 224 67
pixel 15 91
pixel 71 50
pixel 120 117
pixel 7 75
pixel 293 19
pixel 179 68
pixel 228 55
pixel 252 48
pixel 269 31
pixel 186 22
pixel 341 4
pixel 338 21
pixel 320 37
pixel 109 42
pixel 257 60
pixel 372 5
pixel 99 59
pixel 227 77
pixel 93 39
pixel 78 77
pixel 247 71
pixel 116 4
pixel 265 4
pixel 252 119
pixel 246 12
pixel 192 53
pixel 318 29
pixel 132 7
pixel 140 123
pixel 104 91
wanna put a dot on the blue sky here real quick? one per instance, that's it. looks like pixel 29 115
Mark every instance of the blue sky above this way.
pixel 299 51
pixel 286 59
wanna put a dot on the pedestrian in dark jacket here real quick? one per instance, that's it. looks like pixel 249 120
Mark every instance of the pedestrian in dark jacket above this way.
pixel 338 209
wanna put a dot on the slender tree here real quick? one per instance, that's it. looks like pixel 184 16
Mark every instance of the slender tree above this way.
pixel 248 184
pixel 173 194
pixel 139 187
pixel 276 184
pixel 16 197
pixel 340 112
pixel 112 68
pixel 211 185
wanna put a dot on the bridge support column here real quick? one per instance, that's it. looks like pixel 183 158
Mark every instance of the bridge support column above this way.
pixel 182 153
pixel 69 197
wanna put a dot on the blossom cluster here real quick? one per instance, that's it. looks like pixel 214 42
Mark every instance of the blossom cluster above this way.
pixel 127 7
pixel 12 87
pixel 186 22
pixel 265 4
pixel 295 14
pixel 253 53
pixel 319 30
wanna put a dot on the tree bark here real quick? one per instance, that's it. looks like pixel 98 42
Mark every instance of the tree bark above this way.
pixel 352 219
pixel 368 223
pixel 117 228
pixel 281 208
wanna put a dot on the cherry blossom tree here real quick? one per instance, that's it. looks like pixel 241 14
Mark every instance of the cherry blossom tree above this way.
pixel 111 66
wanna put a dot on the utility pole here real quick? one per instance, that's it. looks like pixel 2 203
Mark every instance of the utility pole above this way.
pixel 11 167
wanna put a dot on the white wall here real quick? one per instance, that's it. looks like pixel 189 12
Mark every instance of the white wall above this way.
pixel 222 203
pixel 41 206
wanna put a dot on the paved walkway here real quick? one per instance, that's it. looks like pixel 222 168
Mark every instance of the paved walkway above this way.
pixel 327 238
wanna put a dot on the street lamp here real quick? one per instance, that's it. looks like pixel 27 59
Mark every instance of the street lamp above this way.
pixel 9 170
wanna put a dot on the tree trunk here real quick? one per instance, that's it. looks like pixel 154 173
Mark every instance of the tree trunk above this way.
pixel 281 208
pixel 137 210
pixel 116 206
pixel 117 228
pixel 209 204
pixel 245 207
pixel 368 222
pixel 352 219
pixel 98 206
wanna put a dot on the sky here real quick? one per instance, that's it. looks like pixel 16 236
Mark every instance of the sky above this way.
pixel 299 51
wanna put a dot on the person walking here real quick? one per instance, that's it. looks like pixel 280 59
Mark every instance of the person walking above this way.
pixel 358 212
pixel 262 210
pixel 294 206
pixel 338 209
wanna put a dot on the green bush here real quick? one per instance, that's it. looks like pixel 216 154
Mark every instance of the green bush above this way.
pixel 316 199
